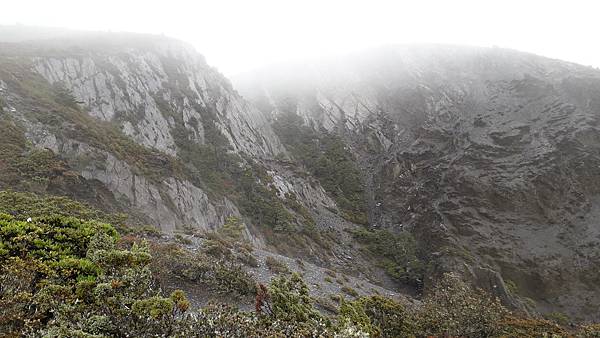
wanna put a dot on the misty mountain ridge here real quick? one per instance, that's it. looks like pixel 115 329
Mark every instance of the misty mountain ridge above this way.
pixel 380 172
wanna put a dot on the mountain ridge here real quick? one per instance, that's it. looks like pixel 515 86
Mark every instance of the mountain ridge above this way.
pixel 451 141
pixel 474 152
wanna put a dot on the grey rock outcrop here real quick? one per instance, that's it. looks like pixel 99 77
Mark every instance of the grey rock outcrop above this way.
pixel 150 88
pixel 160 93
pixel 145 89
pixel 169 204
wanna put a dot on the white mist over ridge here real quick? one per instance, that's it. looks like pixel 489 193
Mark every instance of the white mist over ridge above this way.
pixel 239 36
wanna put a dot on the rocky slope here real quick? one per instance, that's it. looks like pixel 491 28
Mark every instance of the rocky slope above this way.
pixel 143 126
pixel 489 156
pixel 152 90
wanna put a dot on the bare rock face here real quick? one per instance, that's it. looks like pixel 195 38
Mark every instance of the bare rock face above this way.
pixel 146 89
pixel 157 91
pixel 169 204
pixel 489 156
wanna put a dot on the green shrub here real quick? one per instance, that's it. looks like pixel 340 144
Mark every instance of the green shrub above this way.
pixel 558 317
pixel 49 240
pixel 24 167
pixel 511 286
pixel 233 228
pixel 25 205
pixel 217 248
pixel 61 274
pixel 219 320
pixel 336 298
pixel 287 300
pixel 453 308
pixel 519 327
pixel 377 316
pixel 220 274
pixel 398 254
pixel 229 245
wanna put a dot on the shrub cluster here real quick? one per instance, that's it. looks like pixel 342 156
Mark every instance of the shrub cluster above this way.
pixel 64 276
pixel 23 205
pixel 398 254
pixel 220 274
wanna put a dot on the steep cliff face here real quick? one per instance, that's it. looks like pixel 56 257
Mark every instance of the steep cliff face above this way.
pixel 141 125
pixel 119 108
pixel 151 90
pixel 490 157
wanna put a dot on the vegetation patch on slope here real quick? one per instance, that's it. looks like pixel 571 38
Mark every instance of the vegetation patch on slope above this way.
pixel 397 252
pixel 328 159
pixel 64 276
pixel 21 206
pixel 23 166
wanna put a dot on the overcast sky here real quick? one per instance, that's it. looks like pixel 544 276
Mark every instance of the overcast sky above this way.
pixel 240 35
